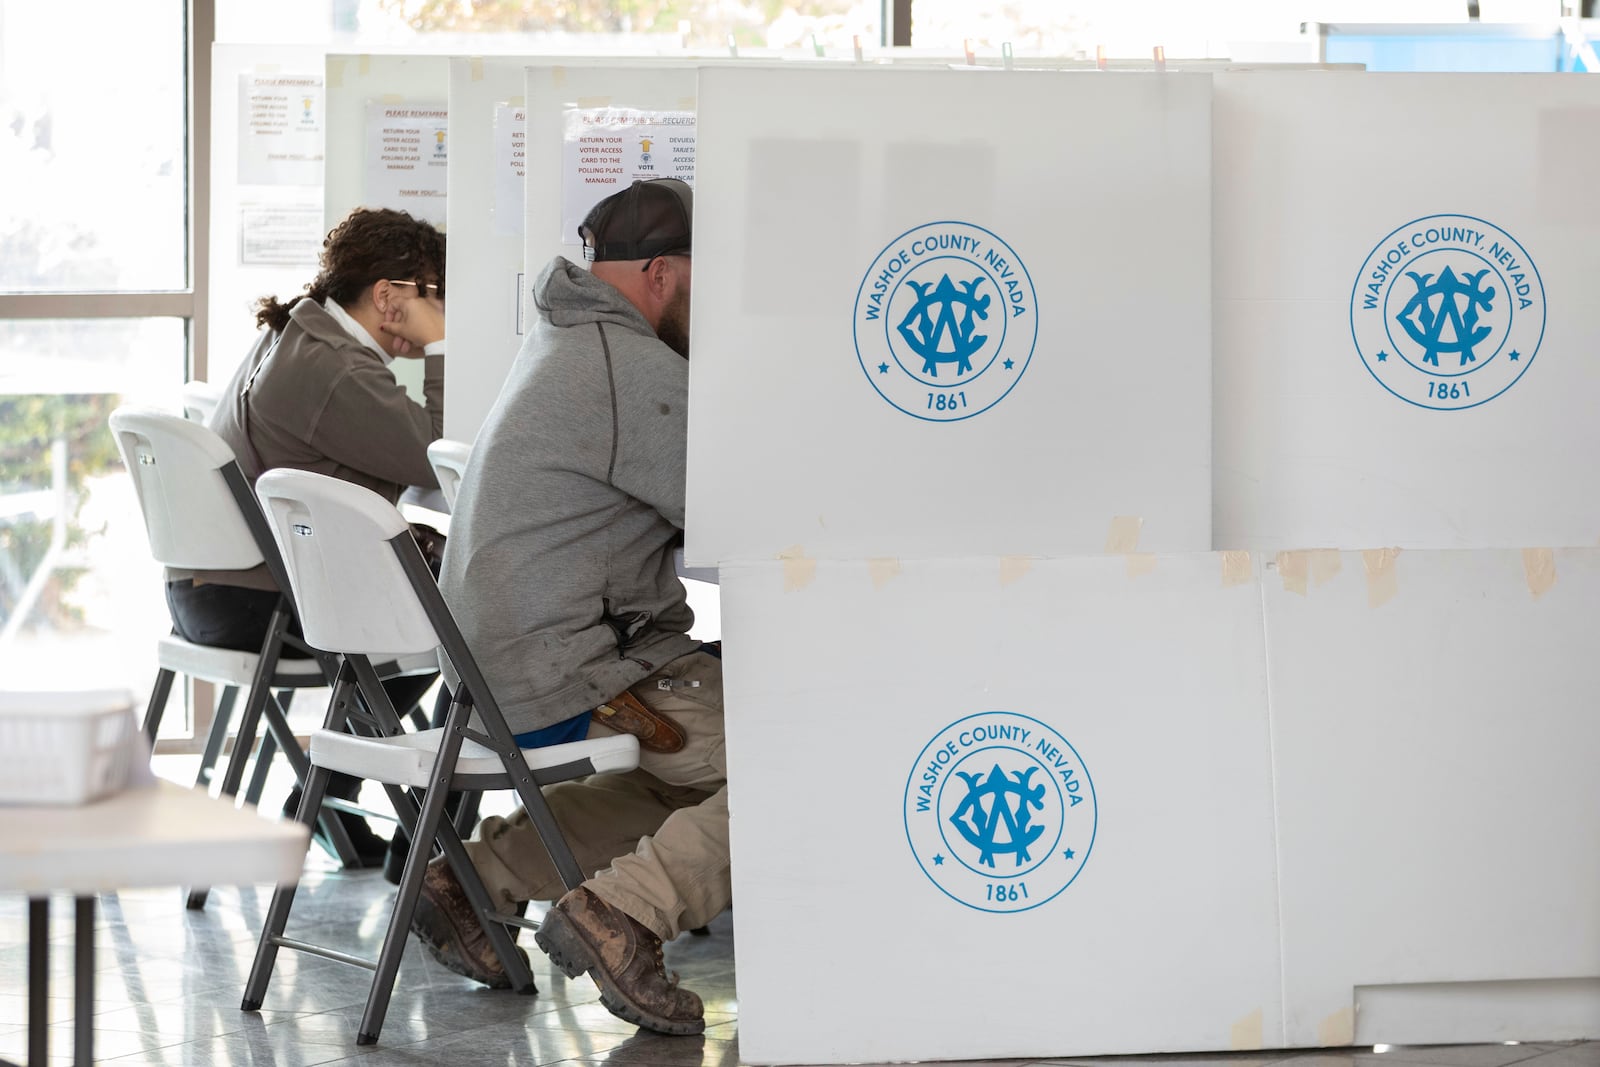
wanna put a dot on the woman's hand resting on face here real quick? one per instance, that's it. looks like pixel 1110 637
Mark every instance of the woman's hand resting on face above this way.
pixel 412 323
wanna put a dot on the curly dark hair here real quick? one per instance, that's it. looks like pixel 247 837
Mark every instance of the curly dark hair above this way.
pixel 369 245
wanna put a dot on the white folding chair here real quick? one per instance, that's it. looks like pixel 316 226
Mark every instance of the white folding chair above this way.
pixel 362 585
pixel 200 514
pixel 449 461
pixel 200 399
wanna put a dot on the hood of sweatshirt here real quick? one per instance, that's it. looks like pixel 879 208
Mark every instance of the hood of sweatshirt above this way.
pixel 568 295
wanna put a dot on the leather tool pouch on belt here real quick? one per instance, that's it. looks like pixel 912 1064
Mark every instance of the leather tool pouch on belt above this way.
pixel 627 714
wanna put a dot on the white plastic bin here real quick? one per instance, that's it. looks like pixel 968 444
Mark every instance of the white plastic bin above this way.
pixel 65 747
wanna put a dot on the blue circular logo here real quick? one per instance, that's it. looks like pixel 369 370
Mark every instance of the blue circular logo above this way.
pixel 945 321
pixel 1000 812
pixel 1448 312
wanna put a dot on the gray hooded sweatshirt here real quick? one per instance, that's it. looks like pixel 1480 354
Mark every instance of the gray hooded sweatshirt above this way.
pixel 559 564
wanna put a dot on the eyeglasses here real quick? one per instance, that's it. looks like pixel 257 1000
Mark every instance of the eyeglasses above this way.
pixel 684 253
pixel 424 288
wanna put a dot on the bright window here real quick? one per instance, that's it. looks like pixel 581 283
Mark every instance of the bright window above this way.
pixel 92 146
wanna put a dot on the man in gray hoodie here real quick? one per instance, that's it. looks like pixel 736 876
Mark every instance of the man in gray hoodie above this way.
pixel 560 571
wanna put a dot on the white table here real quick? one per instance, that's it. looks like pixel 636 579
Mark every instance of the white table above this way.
pixel 164 835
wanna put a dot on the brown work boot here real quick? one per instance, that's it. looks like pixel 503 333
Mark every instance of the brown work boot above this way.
pixel 447 924
pixel 584 933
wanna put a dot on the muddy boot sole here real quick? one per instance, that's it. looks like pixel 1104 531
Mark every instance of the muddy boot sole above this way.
pixel 569 951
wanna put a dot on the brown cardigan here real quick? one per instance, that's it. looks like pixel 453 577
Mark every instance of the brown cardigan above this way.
pixel 316 399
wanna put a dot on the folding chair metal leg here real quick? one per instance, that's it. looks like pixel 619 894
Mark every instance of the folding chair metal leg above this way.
pixel 505 945
pixel 255 989
pixel 328 822
pixel 429 825
pixel 158 703
pixel 467 812
pixel 260 693
pixel 217 737
pixel 271 743
pixel 394 941
pixel 258 777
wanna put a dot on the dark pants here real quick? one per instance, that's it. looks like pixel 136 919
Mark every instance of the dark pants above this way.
pixel 232 616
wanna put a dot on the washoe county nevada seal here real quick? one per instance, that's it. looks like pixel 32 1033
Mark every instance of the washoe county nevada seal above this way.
pixel 1000 812
pixel 1448 312
pixel 945 321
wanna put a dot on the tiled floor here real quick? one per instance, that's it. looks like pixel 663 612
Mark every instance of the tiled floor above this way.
pixel 168 984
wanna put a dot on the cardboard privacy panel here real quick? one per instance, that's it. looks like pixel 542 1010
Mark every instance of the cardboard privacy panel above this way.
pixel 1434 744
pixel 1404 290
pixel 949 313
pixel 1038 783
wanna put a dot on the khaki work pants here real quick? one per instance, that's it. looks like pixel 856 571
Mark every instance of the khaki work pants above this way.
pixel 656 838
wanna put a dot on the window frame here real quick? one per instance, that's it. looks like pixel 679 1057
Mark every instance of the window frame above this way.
pixel 189 303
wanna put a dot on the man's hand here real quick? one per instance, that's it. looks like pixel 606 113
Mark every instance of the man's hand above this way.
pixel 413 323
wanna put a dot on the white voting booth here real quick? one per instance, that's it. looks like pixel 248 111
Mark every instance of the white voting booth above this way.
pixel 1082 454
pixel 484 273
pixel 388 137
pixel 1333 197
pixel 958 357
pixel 268 107
pixel 1179 792
pixel 509 137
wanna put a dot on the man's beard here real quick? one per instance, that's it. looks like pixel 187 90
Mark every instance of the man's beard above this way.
pixel 674 328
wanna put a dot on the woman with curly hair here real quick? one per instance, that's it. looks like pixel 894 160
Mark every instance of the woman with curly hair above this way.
pixel 315 393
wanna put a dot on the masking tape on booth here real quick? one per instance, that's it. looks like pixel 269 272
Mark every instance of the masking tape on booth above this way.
pixel 883 570
pixel 1338 1029
pixel 1382 582
pixel 594 101
pixel 1140 563
pixel 364 66
pixel 687 103
pixel 1539 564
pixel 1325 565
pixel 798 571
pixel 335 73
pixel 1014 567
pixel 558 76
pixel 475 68
pixel 1246 1033
pixel 1122 536
pixel 392 98
pixel 1236 568
pixel 1293 569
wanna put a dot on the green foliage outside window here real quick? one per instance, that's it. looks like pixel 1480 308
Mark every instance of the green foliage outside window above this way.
pixel 29 425
pixel 709 23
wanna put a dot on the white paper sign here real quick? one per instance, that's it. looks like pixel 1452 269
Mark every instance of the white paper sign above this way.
pixel 281 123
pixel 406 158
pixel 280 235
pixel 510 168
pixel 608 148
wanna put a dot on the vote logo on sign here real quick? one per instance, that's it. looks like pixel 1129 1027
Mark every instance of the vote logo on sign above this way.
pixel 1448 312
pixel 1000 812
pixel 945 321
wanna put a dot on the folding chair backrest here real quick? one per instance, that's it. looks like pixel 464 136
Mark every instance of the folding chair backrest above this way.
pixel 178 469
pixel 200 399
pixel 449 460
pixel 338 542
